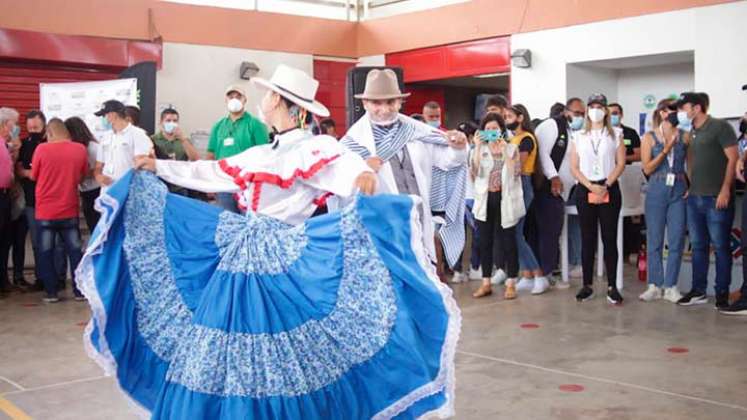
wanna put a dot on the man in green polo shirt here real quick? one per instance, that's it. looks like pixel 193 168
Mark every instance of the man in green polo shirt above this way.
pixel 710 204
pixel 234 134
pixel 171 143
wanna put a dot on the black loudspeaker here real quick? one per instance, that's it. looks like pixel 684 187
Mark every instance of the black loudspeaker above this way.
pixel 145 73
pixel 356 83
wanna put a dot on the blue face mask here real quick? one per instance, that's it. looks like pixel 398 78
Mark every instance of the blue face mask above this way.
pixel 686 124
pixel 576 123
pixel 434 123
pixel 169 127
pixel 105 124
pixel 15 131
pixel 615 120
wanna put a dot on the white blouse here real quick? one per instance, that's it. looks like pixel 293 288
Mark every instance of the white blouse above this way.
pixel 596 151
pixel 287 179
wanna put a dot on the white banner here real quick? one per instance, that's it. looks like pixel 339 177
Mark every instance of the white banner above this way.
pixel 82 99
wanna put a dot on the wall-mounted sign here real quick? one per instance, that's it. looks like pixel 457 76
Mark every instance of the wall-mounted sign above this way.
pixel 649 101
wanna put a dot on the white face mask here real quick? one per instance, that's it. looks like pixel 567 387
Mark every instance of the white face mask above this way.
pixel 391 120
pixel 261 115
pixel 234 105
pixel 170 126
pixel 596 115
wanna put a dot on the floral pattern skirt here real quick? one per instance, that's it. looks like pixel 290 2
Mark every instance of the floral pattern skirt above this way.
pixel 201 313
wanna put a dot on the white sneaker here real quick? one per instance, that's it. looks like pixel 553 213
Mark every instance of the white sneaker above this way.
pixel 525 284
pixel 499 277
pixel 652 293
pixel 475 274
pixel 672 294
pixel 458 277
pixel 540 285
pixel 576 272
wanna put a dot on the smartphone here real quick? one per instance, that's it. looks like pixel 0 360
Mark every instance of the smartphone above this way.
pixel 490 135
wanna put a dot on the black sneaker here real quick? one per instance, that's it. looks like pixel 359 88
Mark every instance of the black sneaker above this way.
pixel 737 308
pixel 584 294
pixel 722 300
pixel 613 296
pixel 693 298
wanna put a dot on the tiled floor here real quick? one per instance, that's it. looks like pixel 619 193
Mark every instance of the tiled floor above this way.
pixel 616 359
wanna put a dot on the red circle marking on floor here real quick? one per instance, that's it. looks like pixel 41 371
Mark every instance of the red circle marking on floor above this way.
pixel 678 350
pixel 571 388
pixel 29 305
pixel 529 326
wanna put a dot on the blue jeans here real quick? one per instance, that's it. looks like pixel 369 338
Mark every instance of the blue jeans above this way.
pixel 60 262
pixel 227 202
pixel 48 229
pixel 665 208
pixel 710 226
pixel 527 260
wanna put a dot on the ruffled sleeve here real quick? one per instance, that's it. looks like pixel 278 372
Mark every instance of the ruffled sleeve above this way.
pixel 202 175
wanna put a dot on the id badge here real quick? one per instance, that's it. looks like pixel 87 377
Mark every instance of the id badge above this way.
pixel 670 179
pixel 596 170
pixel 228 141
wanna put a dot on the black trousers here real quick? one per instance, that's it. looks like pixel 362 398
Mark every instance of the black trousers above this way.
pixel 491 231
pixel 88 198
pixel 591 216
pixel 549 211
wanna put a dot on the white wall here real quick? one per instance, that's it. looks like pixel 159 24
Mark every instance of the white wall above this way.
pixel 713 33
pixel 194 78
pixel 582 81
pixel 659 81
pixel 372 61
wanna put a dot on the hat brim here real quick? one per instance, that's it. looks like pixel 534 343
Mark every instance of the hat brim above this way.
pixel 315 107
pixel 381 97
pixel 100 113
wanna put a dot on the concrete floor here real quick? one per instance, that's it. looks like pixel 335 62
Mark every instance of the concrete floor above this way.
pixel 616 359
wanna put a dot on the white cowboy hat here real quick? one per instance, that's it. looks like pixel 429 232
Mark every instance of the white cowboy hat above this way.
pixel 295 86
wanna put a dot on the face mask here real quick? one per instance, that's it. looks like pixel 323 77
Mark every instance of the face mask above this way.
pixel 615 120
pixel 673 119
pixel 105 124
pixel 36 136
pixel 576 123
pixel 596 114
pixel 386 122
pixel 15 131
pixel 434 124
pixel 234 105
pixel 170 126
pixel 685 123
pixel 512 126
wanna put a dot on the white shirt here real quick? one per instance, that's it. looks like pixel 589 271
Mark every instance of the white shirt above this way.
pixel 117 151
pixel 286 180
pixel 89 183
pixel 547 133
pixel 596 151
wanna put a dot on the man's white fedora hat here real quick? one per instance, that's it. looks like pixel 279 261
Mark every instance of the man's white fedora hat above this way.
pixel 296 86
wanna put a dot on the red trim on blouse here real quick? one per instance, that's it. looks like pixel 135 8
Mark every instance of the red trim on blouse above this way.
pixel 259 178
pixel 274 179
pixel 322 199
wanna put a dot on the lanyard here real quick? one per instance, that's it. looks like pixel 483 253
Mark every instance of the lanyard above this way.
pixel 595 147
pixel 670 155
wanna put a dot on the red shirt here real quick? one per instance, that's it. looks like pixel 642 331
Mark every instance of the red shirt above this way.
pixel 58 168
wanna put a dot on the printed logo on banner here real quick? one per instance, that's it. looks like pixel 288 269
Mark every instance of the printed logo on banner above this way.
pixel 649 101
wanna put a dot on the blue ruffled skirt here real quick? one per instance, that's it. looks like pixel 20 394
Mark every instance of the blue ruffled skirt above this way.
pixel 202 313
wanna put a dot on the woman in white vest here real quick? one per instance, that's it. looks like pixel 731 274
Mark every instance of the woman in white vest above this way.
pixel 597 161
pixel 487 169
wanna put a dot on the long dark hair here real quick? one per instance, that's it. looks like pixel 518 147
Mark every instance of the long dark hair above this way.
pixel 526 123
pixel 79 131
